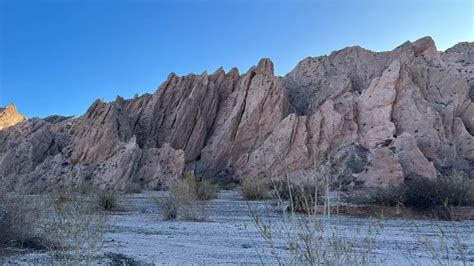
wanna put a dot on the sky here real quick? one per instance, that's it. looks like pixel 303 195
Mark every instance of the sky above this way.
pixel 58 56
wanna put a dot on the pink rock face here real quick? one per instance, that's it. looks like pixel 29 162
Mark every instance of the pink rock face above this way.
pixel 412 160
pixel 244 120
pixel 374 108
pixel 384 171
pixel 370 118
pixel 463 140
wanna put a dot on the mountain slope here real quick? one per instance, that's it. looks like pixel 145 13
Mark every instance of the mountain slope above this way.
pixel 376 117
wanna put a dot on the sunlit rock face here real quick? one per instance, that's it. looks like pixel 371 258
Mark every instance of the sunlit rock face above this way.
pixel 9 116
pixel 374 118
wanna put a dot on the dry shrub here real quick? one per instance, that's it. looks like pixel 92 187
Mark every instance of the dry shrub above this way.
pixel 255 189
pixel 437 195
pixel 189 205
pixel 300 197
pixel 74 226
pixel 304 197
pixel 316 240
pixel 107 200
pixel 448 191
pixel 312 239
pixel 187 198
pixel 66 222
pixel 20 215
pixel 169 206
pixel 206 190
pixel 391 196
pixel 201 189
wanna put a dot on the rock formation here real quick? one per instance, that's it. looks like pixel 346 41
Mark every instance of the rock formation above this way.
pixel 374 119
pixel 9 116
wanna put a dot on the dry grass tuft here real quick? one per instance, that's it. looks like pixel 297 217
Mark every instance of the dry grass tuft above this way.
pixel 187 198
pixel 255 189
pixel 169 206
pixel 206 190
pixel 107 200
pixel 302 198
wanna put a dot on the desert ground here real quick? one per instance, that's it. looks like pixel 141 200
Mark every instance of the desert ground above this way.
pixel 139 235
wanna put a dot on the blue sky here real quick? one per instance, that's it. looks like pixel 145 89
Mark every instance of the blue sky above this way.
pixel 57 57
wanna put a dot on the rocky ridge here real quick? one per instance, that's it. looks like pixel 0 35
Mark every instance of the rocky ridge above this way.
pixel 377 118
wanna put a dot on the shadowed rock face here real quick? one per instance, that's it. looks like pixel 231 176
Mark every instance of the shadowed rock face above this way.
pixel 377 117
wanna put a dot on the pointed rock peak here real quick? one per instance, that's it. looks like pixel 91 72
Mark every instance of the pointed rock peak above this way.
pixel 96 105
pixel 233 71
pixel 171 76
pixel 119 99
pixel 100 101
pixel 217 74
pixel 265 66
pixel 220 69
pixel 9 116
pixel 424 45
pixel 10 108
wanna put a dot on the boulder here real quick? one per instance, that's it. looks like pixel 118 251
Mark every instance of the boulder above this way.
pixel 412 160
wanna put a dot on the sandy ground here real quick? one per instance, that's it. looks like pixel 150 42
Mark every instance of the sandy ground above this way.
pixel 230 236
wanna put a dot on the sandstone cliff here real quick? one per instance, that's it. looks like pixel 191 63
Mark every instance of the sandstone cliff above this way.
pixel 378 118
